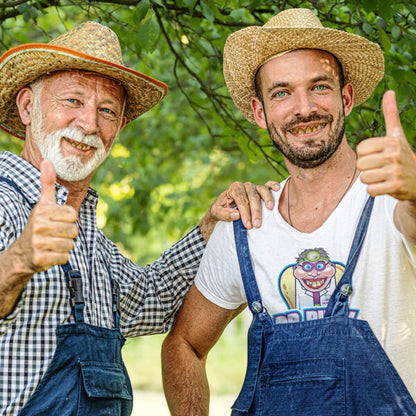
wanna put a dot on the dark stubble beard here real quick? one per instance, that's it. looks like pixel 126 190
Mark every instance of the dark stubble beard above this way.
pixel 312 153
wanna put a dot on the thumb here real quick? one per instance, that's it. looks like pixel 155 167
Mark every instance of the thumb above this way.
pixel 47 182
pixel 391 115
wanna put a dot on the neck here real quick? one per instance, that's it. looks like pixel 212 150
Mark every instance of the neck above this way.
pixel 76 191
pixel 311 195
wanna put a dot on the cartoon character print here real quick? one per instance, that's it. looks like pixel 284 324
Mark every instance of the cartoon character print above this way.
pixel 309 282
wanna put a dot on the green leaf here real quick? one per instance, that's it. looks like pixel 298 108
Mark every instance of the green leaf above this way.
pixel 384 9
pixel 147 35
pixel 21 8
pixel 367 28
pixel 141 9
pixel 396 32
pixel 253 4
pixel 384 39
pixel 207 46
pixel 238 14
pixel 207 11
pixel 412 9
pixel 190 4
pixel 368 5
pixel 381 23
pixel 159 3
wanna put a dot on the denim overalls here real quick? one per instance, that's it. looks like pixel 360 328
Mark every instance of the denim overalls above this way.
pixel 333 366
pixel 86 376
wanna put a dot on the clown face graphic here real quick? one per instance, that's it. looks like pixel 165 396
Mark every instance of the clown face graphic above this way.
pixel 314 272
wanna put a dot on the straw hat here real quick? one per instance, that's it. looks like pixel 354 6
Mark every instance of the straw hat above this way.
pixel 247 50
pixel 90 46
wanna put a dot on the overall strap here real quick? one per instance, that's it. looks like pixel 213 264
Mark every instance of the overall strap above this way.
pixel 73 277
pixel 338 304
pixel 261 320
pixel 243 253
pixel 17 189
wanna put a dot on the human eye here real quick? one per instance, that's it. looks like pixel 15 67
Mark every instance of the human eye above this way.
pixel 280 94
pixel 108 113
pixel 72 100
pixel 321 87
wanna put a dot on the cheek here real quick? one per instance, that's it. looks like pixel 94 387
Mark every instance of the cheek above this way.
pixel 328 272
pixel 108 133
pixel 299 274
pixel 55 121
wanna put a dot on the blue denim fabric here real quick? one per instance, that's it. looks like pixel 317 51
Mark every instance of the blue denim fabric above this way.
pixel 86 376
pixel 333 366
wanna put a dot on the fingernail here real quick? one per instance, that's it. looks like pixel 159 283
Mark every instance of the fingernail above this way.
pixel 248 225
pixel 270 204
pixel 257 223
pixel 235 216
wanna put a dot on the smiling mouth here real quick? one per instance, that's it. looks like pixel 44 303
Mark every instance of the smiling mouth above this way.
pixel 78 145
pixel 314 284
pixel 308 129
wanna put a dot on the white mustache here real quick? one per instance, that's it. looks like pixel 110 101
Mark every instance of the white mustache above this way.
pixel 76 134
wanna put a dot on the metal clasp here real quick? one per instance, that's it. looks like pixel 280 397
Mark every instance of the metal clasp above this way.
pixel 75 287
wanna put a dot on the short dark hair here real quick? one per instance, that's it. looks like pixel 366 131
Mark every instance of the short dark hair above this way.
pixel 340 70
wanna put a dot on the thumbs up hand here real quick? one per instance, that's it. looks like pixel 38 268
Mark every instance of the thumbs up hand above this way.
pixel 48 237
pixel 388 164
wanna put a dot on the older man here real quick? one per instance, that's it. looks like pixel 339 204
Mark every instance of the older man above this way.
pixel 67 294
pixel 322 332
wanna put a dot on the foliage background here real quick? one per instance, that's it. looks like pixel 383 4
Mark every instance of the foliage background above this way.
pixel 169 164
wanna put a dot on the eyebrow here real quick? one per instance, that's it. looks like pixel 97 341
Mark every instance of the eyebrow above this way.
pixel 322 78
pixel 312 81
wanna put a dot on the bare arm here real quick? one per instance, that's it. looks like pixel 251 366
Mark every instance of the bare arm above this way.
pixel 247 198
pixel 197 328
pixel 388 166
pixel 46 241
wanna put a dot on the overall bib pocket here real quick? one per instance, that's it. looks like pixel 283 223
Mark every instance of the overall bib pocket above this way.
pixel 104 387
pixel 312 387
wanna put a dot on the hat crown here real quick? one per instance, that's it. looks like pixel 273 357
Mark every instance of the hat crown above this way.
pixel 93 39
pixel 294 18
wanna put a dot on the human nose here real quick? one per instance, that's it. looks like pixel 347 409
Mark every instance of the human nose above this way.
pixel 304 104
pixel 87 119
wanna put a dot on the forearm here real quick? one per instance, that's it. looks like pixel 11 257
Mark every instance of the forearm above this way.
pixel 13 278
pixel 184 380
pixel 207 225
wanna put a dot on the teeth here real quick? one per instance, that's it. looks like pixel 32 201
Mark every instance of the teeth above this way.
pixel 308 129
pixel 81 146
pixel 316 283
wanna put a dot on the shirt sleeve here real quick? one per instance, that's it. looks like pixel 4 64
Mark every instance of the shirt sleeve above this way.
pixel 151 295
pixel 219 278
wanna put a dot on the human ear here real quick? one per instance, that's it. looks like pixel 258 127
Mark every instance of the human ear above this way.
pixel 24 102
pixel 258 112
pixel 348 97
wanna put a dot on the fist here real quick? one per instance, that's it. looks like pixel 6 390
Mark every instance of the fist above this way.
pixel 388 164
pixel 51 229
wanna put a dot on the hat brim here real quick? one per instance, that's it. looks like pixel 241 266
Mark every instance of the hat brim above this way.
pixel 23 64
pixel 247 49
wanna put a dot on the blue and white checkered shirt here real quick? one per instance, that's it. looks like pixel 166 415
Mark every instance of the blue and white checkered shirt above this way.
pixel 150 295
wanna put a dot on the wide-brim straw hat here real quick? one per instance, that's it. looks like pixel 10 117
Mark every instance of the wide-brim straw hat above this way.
pixel 246 50
pixel 89 46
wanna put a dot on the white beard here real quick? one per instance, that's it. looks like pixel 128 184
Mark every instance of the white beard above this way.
pixel 69 168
